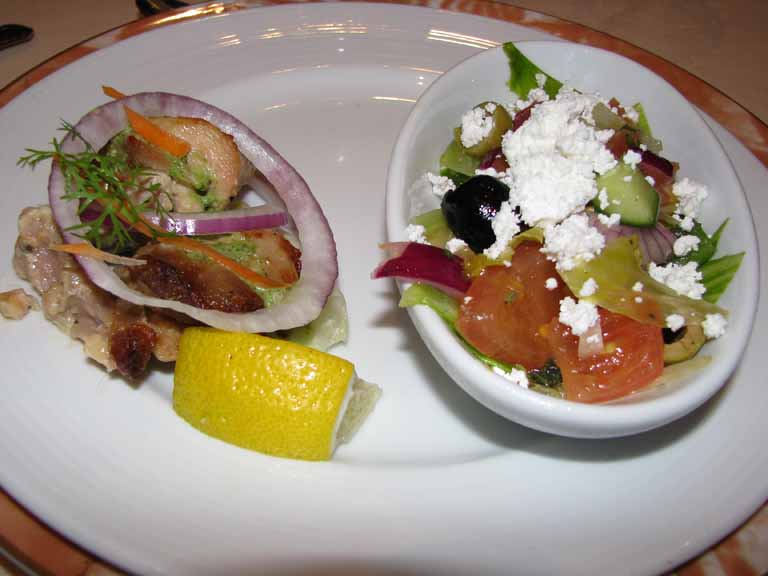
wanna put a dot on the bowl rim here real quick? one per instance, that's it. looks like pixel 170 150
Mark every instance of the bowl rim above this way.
pixel 529 408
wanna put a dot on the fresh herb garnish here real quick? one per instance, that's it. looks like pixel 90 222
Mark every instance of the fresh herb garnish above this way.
pixel 548 375
pixel 105 186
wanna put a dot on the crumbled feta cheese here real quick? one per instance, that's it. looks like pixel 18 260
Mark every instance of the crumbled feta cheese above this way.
pixel 689 196
pixel 650 180
pixel 415 233
pixel 553 158
pixel 588 288
pixel 632 158
pixel 602 198
pixel 475 125
pixel 541 79
pixel 675 322
pixel 467 299
pixel 638 287
pixel 440 184
pixel 632 114
pixel 455 244
pixel 551 283
pixel 609 221
pixel 535 95
pixel 505 224
pixel 639 299
pixel 579 317
pixel 714 325
pixel 684 279
pixel 572 241
pixel 685 223
pixel 504 177
pixel 685 244
pixel 627 178
pixel 515 376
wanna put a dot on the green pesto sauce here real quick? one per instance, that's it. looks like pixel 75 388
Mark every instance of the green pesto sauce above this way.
pixel 238 247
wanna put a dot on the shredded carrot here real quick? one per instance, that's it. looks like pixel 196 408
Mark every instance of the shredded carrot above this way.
pixel 89 250
pixel 112 92
pixel 244 273
pixel 153 134
pixel 141 225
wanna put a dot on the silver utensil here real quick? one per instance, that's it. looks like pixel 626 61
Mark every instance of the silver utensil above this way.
pixel 12 34
pixel 150 7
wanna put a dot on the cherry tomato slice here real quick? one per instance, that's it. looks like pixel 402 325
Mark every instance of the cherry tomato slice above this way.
pixel 633 357
pixel 505 308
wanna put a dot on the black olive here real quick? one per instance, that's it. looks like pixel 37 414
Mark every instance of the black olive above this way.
pixel 671 336
pixel 470 208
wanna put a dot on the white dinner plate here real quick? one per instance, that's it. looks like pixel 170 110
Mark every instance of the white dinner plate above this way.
pixel 433 483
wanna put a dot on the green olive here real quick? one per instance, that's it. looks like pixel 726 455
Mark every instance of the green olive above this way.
pixel 502 123
pixel 686 346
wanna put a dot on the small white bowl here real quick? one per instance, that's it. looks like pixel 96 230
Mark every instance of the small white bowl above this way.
pixel 687 139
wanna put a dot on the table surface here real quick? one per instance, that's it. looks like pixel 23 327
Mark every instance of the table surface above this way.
pixel 720 41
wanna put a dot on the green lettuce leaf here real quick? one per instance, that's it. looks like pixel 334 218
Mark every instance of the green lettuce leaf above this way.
pixel 522 74
pixel 436 229
pixel 646 136
pixel 419 294
pixel 642 120
pixel 546 380
pixel 455 163
pixel 717 274
pixel 616 270
pixel 457 177
pixel 328 329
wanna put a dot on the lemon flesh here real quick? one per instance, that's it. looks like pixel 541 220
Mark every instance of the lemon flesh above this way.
pixel 268 395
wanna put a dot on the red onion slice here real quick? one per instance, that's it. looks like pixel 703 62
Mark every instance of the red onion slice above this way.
pixel 424 263
pixel 658 168
pixel 655 243
pixel 304 300
pixel 591 341
pixel 206 223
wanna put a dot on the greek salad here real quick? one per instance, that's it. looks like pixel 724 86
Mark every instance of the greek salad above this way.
pixel 567 252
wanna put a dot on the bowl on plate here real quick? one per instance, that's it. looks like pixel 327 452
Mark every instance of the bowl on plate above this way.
pixel 687 140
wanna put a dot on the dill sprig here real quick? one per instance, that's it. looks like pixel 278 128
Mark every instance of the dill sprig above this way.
pixel 104 185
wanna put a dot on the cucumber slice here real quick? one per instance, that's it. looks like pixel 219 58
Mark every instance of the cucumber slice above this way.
pixel 455 158
pixel 629 195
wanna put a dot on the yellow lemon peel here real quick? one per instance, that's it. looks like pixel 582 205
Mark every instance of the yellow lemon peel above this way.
pixel 268 395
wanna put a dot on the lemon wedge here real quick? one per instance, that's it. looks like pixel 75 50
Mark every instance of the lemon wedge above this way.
pixel 269 395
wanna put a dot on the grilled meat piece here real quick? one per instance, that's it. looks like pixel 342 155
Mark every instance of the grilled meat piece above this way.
pixel 131 347
pixel 14 304
pixel 77 306
pixel 212 172
pixel 274 256
pixel 172 273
